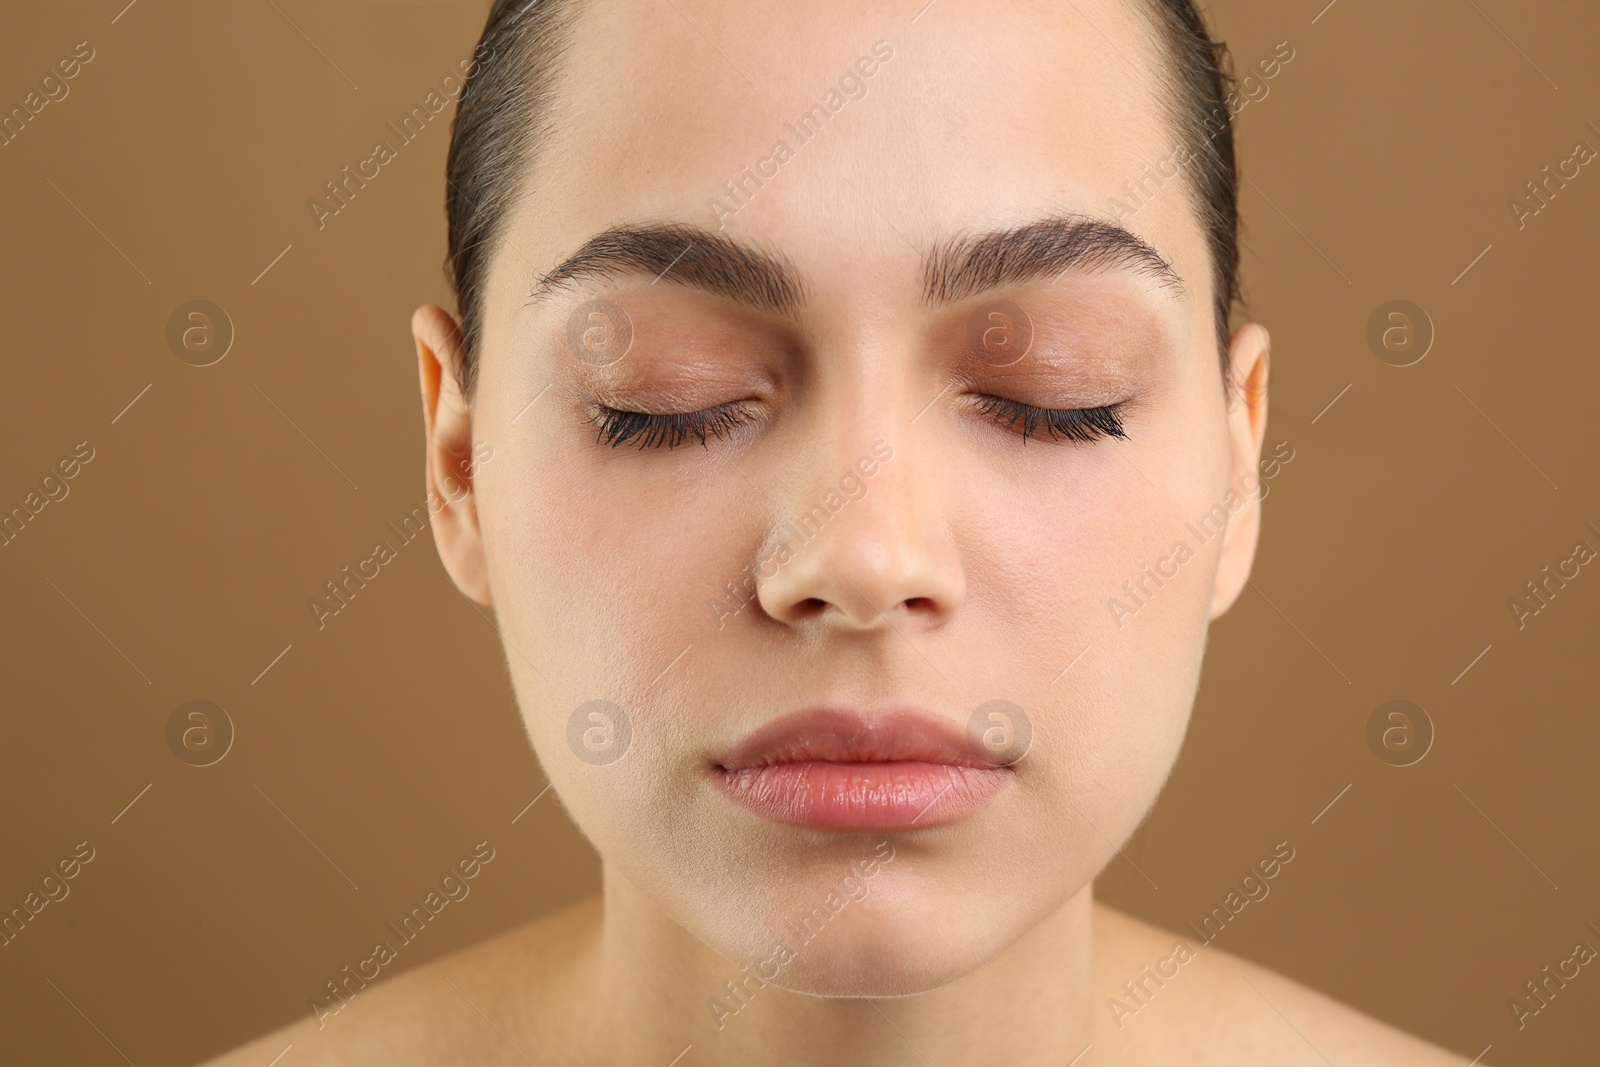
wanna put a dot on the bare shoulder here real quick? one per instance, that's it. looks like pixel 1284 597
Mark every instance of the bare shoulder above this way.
pixel 473 1006
pixel 1161 997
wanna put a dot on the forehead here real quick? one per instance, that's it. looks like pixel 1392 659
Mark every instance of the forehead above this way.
pixel 853 135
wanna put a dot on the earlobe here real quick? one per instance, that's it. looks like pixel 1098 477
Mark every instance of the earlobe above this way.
pixel 1249 352
pixel 450 464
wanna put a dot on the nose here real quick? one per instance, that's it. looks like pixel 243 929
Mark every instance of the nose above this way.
pixel 861 552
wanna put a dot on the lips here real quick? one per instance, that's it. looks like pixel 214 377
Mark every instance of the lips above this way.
pixel 837 769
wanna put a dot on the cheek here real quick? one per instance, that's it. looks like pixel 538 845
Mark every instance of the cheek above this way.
pixel 603 573
pixel 1088 566
pixel 1103 546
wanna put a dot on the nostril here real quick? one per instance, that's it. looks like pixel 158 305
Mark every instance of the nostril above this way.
pixel 809 607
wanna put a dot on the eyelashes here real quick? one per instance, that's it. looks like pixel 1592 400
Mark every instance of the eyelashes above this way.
pixel 646 430
pixel 665 431
pixel 1073 424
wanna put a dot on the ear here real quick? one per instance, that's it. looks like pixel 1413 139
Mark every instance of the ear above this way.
pixel 1249 352
pixel 450 463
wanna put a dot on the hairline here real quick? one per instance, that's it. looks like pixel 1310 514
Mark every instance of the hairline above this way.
pixel 1180 115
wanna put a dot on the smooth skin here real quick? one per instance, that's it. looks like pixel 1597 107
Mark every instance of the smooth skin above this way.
pixel 976 565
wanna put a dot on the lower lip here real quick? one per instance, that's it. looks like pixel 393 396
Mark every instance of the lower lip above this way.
pixel 880 796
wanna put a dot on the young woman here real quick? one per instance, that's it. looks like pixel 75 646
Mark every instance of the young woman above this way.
pixel 834 392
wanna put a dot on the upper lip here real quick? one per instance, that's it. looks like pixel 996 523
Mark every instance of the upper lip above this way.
pixel 844 735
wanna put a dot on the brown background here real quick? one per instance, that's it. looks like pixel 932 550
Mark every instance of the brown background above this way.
pixel 180 565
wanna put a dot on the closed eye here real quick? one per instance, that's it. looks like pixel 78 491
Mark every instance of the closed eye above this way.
pixel 1072 424
pixel 647 430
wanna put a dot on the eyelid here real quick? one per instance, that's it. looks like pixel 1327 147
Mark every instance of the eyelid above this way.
pixel 1083 425
pixel 655 430
pixel 667 429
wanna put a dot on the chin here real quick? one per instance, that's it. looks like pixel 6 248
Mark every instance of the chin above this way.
pixel 909 933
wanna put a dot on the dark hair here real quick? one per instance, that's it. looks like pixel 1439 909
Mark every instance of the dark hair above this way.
pixel 1199 82
pixel 504 116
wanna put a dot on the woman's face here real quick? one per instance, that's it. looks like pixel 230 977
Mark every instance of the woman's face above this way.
pixel 869 531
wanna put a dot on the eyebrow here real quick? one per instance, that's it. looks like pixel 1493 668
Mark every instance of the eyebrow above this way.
pixel 693 255
pixel 1047 248
pixel 953 270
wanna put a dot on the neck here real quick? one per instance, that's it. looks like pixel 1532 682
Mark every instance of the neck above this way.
pixel 658 990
